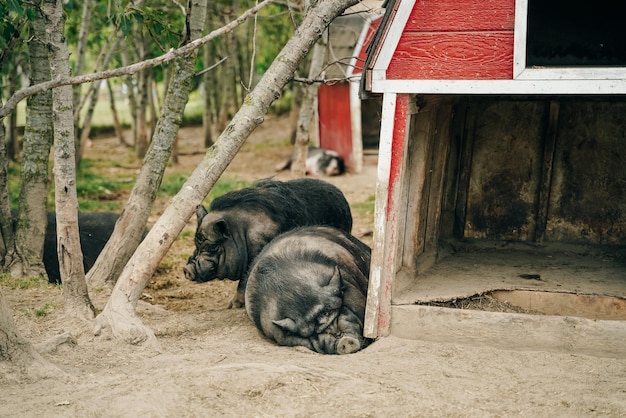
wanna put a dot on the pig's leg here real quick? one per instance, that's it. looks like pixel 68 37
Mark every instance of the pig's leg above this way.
pixel 239 300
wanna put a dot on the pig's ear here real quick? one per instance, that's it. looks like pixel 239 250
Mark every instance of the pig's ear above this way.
pixel 286 324
pixel 335 280
pixel 220 227
pixel 200 213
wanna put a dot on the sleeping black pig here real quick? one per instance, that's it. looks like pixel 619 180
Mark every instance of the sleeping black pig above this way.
pixel 240 223
pixel 95 229
pixel 308 287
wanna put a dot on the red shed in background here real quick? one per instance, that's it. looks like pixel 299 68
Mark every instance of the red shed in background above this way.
pixel 342 125
pixel 501 172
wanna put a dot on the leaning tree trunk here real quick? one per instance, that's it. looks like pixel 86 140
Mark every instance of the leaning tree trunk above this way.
pixel 118 315
pixel 75 296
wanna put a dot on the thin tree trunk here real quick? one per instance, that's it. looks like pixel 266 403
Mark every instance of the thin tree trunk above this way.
pixel 31 225
pixel 93 93
pixel 31 216
pixel 119 131
pixel 132 100
pixel 152 104
pixel 75 296
pixel 307 116
pixel 208 56
pixel 229 75
pixel 294 112
pixel 77 90
pixel 13 144
pixel 118 315
pixel 141 145
pixel 7 239
pixel 81 48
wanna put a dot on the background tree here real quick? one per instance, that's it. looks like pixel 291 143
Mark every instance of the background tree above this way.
pixel 31 215
pixel 307 114
pixel 14 18
pixel 75 295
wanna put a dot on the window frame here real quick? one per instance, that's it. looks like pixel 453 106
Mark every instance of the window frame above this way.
pixel 523 72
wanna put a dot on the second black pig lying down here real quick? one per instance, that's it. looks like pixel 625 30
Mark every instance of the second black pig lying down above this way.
pixel 240 223
pixel 308 287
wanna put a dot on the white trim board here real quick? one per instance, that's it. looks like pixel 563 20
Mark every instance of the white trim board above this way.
pixel 392 37
pixel 565 87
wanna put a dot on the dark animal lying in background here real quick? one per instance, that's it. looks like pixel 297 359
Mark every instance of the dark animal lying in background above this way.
pixel 240 223
pixel 319 162
pixel 95 229
pixel 308 287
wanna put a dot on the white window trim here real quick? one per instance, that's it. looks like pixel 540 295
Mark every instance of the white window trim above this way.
pixel 521 72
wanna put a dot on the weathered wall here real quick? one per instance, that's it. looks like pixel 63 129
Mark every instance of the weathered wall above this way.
pixel 540 170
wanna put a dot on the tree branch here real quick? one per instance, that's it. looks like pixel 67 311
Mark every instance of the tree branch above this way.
pixel 20 95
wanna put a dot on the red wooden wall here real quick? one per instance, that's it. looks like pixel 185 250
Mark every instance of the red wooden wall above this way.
pixel 456 39
pixel 335 124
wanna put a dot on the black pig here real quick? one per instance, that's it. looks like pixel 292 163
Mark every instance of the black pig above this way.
pixel 240 223
pixel 308 287
pixel 95 229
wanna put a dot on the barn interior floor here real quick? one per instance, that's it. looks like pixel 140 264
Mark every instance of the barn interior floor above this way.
pixel 473 268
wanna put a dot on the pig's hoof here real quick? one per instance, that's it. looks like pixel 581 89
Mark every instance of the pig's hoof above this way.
pixel 238 301
pixel 348 345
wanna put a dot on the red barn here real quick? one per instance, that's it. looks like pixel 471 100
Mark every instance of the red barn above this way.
pixel 502 172
pixel 345 124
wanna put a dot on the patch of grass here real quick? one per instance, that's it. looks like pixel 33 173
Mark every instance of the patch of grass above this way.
pixel 100 206
pixel 225 185
pixel 261 146
pixel 365 208
pixel 10 282
pixel 186 234
pixel 172 183
pixel 44 310
pixel 93 185
pixel 14 182
pixel 97 192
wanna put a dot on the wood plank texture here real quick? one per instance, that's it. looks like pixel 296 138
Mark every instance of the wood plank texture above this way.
pixel 335 126
pixel 453 56
pixel 510 331
pixel 461 15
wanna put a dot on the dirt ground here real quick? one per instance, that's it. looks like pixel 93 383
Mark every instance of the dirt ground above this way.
pixel 211 361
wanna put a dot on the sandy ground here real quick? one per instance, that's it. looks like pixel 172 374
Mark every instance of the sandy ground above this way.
pixel 211 361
